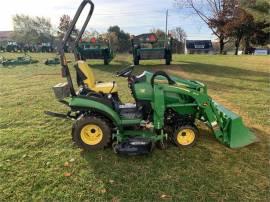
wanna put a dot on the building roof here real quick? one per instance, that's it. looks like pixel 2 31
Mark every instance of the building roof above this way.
pixel 199 44
pixel 5 35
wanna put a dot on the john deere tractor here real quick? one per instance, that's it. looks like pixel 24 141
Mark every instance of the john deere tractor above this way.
pixel 95 49
pixel 22 60
pixel 165 109
pixel 12 46
pixel 149 47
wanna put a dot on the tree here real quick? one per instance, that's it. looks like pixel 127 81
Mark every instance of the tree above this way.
pixel 113 38
pixel 260 33
pixel 31 30
pixel 240 25
pixel 215 13
pixel 63 27
pixel 259 9
pixel 161 35
pixel 179 36
pixel 120 40
pixel 116 29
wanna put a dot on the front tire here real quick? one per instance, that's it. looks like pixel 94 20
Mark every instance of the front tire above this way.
pixel 168 60
pixel 168 57
pixel 185 136
pixel 106 61
pixel 136 61
pixel 92 133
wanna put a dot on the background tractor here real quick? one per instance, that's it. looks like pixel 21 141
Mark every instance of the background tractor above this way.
pixel 13 46
pixel 95 49
pixel 22 60
pixel 148 47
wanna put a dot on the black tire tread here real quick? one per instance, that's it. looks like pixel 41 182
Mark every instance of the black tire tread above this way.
pixel 192 127
pixel 96 120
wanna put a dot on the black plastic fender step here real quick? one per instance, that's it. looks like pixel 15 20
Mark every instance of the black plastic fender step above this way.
pixel 58 115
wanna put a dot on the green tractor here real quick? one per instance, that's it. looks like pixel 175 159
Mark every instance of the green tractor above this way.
pixel 52 61
pixel 2 48
pixel 95 49
pixel 149 47
pixel 12 46
pixel 165 109
pixel 22 60
pixel 46 47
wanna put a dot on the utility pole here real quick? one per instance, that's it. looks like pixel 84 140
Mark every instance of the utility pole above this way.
pixel 167 12
pixel 166 26
pixel 185 47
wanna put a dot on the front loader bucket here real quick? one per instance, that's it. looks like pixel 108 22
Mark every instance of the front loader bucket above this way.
pixel 235 133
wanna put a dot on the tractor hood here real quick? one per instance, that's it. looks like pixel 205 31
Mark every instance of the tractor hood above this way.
pixel 143 89
pixel 191 84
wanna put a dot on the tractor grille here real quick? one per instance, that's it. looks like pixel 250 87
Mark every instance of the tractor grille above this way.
pixel 152 54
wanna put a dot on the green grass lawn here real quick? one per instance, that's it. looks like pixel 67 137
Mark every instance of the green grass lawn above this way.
pixel 35 149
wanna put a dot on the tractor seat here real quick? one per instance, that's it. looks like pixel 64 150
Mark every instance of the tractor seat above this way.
pixel 90 81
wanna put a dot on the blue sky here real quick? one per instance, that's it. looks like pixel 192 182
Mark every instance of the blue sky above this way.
pixel 132 16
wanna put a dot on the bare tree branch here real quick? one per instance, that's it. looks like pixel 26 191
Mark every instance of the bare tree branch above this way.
pixel 202 16
pixel 214 13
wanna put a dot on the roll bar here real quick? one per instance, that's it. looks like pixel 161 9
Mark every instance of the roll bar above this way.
pixel 65 69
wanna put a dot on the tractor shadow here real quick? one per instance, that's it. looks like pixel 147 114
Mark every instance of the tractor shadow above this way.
pixel 223 71
pixel 184 71
pixel 113 68
pixel 175 167
pixel 139 173
pixel 192 68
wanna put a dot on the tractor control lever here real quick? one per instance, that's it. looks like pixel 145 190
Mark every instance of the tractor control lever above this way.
pixel 126 72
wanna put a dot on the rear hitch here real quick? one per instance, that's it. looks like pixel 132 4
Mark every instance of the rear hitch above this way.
pixel 60 115
pixel 64 102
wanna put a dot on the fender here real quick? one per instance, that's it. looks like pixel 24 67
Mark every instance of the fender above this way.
pixel 89 104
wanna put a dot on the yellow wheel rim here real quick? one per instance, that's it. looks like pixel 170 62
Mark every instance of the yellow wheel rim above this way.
pixel 185 137
pixel 91 134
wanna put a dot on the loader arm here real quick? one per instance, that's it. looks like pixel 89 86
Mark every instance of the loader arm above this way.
pixel 227 126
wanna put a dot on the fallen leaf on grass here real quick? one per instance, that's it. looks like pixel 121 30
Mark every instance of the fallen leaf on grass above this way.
pixel 67 174
pixel 114 199
pixel 111 181
pixel 72 160
pixel 164 196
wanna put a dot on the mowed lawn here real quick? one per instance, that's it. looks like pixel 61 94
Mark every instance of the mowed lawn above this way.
pixel 39 162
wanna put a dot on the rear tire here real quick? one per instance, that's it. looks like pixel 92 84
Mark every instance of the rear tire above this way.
pixel 168 61
pixel 92 133
pixel 136 61
pixel 106 61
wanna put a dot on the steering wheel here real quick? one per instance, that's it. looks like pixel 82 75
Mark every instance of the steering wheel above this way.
pixel 126 72
pixel 164 74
